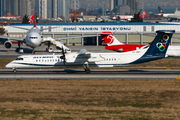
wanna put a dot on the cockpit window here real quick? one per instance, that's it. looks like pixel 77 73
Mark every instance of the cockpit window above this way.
pixel 19 59
pixel 33 37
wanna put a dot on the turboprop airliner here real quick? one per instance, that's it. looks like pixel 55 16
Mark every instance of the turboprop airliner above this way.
pixel 115 45
pixel 83 58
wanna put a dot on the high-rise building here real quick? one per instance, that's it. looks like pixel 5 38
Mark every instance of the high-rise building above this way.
pixel 25 7
pixel 63 9
pixel 38 8
pixel 32 2
pixel 44 9
pixel 133 4
pixel 16 6
pixel 1 7
pixel 49 9
pixel 9 7
pixel 111 5
pixel 74 4
pixel 54 6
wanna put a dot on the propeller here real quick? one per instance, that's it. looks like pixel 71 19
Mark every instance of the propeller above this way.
pixel 63 57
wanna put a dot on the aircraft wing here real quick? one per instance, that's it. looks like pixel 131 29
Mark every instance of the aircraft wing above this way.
pixel 88 57
pixel 47 28
pixel 13 38
pixel 22 28
pixel 84 53
pixel 61 38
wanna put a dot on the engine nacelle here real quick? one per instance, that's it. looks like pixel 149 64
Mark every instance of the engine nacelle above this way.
pixel 120 50
pixel 8 44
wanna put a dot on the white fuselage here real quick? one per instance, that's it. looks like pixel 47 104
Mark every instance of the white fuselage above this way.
pixel 173 51
pixel 33 38
pixel 74 60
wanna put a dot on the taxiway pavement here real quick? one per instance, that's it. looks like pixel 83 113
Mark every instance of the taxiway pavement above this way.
pixel 95 74
pixel 42 50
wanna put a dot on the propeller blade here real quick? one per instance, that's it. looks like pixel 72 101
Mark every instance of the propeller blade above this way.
pixel 63 57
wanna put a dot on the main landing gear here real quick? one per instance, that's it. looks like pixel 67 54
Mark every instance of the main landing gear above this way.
pixel 49 44
pixel 86 68
pixel 19 49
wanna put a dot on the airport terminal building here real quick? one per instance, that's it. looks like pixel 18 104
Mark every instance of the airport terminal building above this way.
pixel 126 32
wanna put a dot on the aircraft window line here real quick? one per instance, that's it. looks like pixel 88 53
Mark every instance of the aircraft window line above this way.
pixel 33 37
pixel 110 59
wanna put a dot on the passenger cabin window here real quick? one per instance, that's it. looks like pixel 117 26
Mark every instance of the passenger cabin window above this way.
pixel 19 59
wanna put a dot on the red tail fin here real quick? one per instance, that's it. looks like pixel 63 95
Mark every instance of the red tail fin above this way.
pixel 143 15
pixel 109 38
pixel 31 19
pixel 35 16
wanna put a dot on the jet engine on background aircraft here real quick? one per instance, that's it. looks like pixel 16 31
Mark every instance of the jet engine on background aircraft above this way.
pixel 8 44
pixel 169 19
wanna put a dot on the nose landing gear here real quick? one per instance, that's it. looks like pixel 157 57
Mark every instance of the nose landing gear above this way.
pixel 14 70
pixel 86 68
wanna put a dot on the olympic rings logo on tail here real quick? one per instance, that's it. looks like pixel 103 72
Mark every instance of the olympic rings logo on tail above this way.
pixel 162 43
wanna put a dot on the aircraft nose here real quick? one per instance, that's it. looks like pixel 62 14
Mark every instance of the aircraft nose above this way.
pixel 9 65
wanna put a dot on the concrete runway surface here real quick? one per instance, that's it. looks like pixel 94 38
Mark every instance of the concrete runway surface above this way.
pixel 95 74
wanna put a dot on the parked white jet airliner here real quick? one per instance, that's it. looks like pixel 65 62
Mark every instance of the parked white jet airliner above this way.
pixel 34 38
pixel 156 50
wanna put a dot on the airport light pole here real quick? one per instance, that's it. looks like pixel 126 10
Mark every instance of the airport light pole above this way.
pixel 102 9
